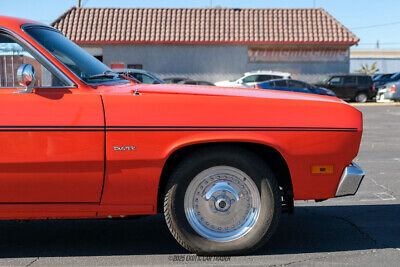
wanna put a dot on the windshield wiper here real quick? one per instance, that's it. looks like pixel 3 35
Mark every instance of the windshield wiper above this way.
pixel 105 75
pixel 111 75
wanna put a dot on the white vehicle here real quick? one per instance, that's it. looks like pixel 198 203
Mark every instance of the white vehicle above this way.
pixel 249 79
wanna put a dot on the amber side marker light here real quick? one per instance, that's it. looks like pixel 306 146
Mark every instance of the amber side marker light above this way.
pixel 322 169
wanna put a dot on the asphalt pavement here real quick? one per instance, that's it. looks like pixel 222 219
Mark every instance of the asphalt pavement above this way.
pixel 359 230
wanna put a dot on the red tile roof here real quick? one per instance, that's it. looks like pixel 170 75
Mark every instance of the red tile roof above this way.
pixel 202 25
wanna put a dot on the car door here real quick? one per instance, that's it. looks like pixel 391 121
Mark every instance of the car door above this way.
pixel 281 85
pixel 263 78
pixel 364 84
pixel 349 87
pixel 336 85
pixel 297 86
pixel 52 139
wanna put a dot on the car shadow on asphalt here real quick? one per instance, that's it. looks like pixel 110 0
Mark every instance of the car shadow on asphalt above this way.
pixel 336 228
pixel 310 229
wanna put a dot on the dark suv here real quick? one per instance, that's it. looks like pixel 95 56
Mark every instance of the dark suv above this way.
pixel 350 86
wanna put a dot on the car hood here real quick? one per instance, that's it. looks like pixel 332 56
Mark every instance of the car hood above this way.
pixel 183 89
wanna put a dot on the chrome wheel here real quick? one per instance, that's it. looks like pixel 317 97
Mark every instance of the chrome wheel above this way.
pixel 222 203
pixel 361 98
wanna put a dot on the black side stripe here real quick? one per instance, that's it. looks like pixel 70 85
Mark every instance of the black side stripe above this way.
pixel 49 130
pixel 168 129
pixel 56 128
pixel 220 128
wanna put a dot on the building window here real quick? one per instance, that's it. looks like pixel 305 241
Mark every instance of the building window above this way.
pixel 135 66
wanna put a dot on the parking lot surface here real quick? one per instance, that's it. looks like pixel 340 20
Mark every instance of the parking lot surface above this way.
pixel 359 230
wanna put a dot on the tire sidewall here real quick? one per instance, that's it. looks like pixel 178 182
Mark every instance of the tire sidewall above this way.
pixel 257 170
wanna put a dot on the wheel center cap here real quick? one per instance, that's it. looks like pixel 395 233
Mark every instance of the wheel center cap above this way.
pixel 222 203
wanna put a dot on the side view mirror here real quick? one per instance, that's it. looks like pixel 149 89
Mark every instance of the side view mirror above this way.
pixel 26 77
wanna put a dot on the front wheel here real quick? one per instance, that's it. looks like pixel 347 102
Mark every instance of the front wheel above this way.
pixel 222 202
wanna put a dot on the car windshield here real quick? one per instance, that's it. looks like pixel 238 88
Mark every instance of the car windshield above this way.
pixel 382 77
pixel 237 78
pixel 71 55
pixel 395 76
pixel 325 80
pixel 377 77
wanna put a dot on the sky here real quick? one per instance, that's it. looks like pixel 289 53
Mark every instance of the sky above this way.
pixel 370 20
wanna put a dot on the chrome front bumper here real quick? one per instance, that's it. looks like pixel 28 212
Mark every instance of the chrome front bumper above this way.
pixel 350 180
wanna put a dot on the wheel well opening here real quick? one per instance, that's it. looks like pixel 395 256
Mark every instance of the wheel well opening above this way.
pixel 270 155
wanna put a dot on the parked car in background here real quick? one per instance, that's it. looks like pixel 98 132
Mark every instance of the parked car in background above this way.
pixel 389 92
pixel 294 86
pixel 181 80
pixel 249 79
pixel 381 79
pixel 394 78
pixel 354 87
pixel 196 82
pixel 174 79
pixel 142 76
pixel 375 76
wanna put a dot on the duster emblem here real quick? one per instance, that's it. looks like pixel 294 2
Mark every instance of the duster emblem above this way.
pixel 124 148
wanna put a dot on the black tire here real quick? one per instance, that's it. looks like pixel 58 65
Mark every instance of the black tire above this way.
pixel 361 97
pixel 243 160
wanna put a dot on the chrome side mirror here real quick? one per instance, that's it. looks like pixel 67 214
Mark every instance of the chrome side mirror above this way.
pixel 26 77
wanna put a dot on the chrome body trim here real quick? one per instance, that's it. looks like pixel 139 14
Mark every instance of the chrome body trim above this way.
pixel 350 180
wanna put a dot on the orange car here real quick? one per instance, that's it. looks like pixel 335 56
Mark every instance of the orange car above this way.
pixel 79 141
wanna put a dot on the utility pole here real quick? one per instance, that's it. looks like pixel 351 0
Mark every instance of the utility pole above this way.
pixel 79 3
